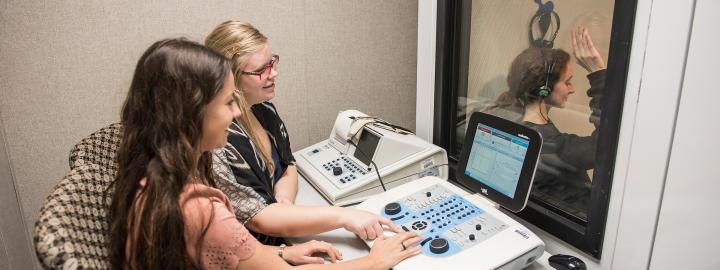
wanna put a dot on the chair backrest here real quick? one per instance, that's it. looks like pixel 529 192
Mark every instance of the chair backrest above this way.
pixel 72 230
pixel 99 148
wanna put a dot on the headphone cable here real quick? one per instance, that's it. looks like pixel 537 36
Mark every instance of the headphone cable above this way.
pixel 545 118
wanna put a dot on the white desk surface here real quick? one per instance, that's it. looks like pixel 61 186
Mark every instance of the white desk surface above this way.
pixel 348 243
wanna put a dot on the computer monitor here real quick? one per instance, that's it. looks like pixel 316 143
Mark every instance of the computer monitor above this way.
pixel 498 160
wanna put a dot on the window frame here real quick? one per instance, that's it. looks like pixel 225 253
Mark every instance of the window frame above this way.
pixel 451 75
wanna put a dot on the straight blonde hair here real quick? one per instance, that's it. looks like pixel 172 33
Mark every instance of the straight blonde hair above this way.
pixel 237 41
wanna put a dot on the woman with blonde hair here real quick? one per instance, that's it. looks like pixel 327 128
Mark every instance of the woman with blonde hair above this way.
pixel 258 151
pixel 165 212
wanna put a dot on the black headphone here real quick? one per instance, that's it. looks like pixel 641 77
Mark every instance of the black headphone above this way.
pixel 542 31
pixel 545 90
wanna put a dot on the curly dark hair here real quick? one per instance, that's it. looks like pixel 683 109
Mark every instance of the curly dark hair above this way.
pixel 174 81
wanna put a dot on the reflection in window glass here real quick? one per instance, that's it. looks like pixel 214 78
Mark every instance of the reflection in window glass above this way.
pixel 542 64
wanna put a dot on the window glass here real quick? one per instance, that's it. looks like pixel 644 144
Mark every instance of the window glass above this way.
pixel 522 65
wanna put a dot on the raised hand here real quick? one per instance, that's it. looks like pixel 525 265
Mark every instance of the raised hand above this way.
pixel 585 52
pixel 302 253
pixel 367 225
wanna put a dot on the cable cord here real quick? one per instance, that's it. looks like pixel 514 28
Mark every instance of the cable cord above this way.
pixel 395 128
pixel 371 162
pixel 546 119
pixel 378 122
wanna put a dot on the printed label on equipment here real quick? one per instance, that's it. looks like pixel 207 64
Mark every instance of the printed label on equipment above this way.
pixel 523 233
pixel 428 168
pixel 427 163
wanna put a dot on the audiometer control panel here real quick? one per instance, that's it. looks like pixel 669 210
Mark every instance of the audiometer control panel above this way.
pixel 448 223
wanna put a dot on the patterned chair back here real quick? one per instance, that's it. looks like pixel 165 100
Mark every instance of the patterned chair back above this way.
pixel 99 148
pixel 72 230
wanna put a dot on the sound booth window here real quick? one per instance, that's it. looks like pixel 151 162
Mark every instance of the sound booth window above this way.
pixel 542 64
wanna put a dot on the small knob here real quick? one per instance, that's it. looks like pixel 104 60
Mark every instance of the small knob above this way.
pixel 478 227
pixel 471 237
pixel 392 208
pixel 337 171
pixel 428 194
pixel 439 245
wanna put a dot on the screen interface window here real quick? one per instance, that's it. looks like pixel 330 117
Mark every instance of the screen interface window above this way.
pixel 496 159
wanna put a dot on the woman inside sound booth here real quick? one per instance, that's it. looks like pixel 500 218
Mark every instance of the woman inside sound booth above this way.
pixel 539 80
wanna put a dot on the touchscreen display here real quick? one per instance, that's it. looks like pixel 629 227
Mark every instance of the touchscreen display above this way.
pixel 496 159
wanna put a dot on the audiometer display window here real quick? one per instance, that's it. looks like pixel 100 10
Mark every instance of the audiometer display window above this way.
pixel 366 146
pixel 558 67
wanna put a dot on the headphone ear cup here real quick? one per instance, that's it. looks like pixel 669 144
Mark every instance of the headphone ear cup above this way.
pixel 543 91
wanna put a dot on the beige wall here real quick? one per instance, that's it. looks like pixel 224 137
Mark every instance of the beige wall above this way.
pixel 66 66
pixel 15 248
pixel 499 33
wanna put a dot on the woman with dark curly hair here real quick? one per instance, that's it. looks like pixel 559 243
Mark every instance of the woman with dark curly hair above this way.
pixel 165 212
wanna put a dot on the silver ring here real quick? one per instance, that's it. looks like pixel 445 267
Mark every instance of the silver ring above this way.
pixel 403 245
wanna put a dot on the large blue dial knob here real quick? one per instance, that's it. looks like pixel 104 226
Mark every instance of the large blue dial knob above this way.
pixel 392 208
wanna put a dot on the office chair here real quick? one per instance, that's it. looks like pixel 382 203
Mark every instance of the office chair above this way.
pixel 72 230
pixel 99 148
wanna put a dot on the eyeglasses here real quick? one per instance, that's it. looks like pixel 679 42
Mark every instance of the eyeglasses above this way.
pixel 272 65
